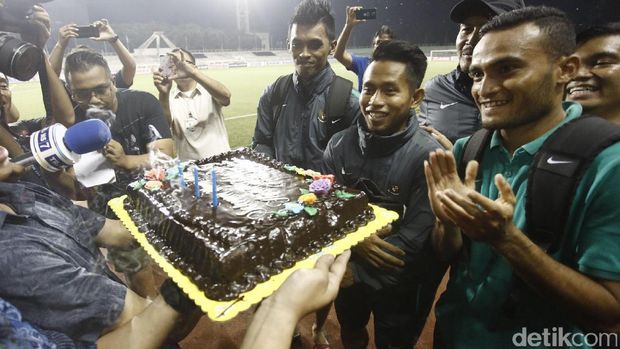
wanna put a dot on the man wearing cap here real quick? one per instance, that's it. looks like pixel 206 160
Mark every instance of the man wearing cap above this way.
pixel 448 106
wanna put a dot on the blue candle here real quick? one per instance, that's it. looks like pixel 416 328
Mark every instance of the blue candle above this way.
pixel 196 183
pixel 214 187
pixel 181 180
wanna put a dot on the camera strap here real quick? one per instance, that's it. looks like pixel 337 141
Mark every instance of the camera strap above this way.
pixel 44 82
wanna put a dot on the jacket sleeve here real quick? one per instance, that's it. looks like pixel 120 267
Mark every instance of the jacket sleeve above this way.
pixel 353 112
pixel 263 132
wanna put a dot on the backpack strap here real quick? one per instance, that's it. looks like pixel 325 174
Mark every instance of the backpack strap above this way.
pixel 280 88
pixel 336 106
pixel 474 149
pixel 556 171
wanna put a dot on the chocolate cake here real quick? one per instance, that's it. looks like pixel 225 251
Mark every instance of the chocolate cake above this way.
pixel 268 216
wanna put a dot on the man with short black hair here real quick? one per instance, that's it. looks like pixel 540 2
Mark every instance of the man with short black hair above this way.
pixel 502 283
pixel 448 106
pixel 294 128
pixel 393 274
pixel 138 128
pixel 597 84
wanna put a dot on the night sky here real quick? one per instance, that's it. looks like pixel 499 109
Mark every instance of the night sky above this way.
pixel 419 21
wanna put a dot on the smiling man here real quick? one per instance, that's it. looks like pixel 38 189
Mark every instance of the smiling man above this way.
pixel 597 84
pixel 293 124
pixel 503 286
pixel 448 105
pixel 393 274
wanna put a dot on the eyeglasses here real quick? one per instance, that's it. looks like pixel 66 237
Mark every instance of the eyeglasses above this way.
pixel 84 95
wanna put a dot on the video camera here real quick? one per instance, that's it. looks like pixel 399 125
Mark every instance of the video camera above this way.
pixel 18 58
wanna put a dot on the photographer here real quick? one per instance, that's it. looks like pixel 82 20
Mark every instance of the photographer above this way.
pixel 25 61
pixel 355 63
pixel 124 77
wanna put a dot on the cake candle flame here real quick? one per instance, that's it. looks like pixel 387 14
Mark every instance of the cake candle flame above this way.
pixel 196 183
pixel 214 187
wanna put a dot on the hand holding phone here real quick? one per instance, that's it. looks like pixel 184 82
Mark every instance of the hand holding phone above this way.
pixel 87 31
pixel 366 13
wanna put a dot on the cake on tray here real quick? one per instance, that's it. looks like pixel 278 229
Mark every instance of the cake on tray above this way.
pixel 264 217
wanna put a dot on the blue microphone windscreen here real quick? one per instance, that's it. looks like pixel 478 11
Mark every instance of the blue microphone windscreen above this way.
pixel 87 136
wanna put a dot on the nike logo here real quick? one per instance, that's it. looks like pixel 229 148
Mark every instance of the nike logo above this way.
pixel 550 161
pixel 444 106
pixel 335 121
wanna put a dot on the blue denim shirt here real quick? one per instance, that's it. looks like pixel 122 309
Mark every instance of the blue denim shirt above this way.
pixel 50 267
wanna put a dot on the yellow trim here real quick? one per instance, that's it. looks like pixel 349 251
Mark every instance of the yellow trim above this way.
pixel 226 310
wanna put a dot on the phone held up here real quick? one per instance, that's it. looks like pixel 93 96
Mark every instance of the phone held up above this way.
pixel 366 13
pixel 87 31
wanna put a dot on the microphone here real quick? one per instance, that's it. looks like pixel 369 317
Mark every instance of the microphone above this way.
pixel 57 147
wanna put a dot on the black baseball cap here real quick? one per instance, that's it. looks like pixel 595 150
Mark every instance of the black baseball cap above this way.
pixel 483 8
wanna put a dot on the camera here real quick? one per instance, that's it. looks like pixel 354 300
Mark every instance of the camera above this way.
pixel 87 31
pixel 18 58
pixel 366 13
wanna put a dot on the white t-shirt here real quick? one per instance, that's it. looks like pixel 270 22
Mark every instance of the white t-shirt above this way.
pixel 197 124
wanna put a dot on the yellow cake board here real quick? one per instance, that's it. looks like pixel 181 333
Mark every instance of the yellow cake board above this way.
pixel 226 310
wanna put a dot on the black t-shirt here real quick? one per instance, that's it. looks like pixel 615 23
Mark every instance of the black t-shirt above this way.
pixel 139 121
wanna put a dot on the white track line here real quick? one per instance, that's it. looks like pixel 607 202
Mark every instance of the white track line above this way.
pixel 240 116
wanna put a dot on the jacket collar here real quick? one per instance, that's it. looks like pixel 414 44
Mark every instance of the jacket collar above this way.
pixel 373 145
pixel 316 85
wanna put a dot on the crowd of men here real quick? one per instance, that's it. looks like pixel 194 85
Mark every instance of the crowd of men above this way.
pixel 462 173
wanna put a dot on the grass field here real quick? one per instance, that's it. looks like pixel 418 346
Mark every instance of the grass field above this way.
pixel 245 84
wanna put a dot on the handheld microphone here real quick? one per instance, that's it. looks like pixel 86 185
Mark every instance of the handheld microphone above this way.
pixel 57 147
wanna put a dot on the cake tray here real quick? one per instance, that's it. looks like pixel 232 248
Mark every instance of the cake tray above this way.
pixel 226 310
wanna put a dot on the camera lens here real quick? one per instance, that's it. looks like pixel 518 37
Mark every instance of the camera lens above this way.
pixel 18 59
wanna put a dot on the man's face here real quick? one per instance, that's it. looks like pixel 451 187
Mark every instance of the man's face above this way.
pixel 469 34
pixel 597 84
pixel 380 39
pixel 386 98
pixel 310 47
pixel 514 79
pixel 93 88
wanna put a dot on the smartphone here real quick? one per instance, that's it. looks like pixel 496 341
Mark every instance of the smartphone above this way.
pixel 366 13
pixel 87 31
pixel 166 65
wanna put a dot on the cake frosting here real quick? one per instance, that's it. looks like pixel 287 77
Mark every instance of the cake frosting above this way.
pixel 268 216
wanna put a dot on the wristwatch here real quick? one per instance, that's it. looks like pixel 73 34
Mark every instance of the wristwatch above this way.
pixel 114 39
pixel 176 298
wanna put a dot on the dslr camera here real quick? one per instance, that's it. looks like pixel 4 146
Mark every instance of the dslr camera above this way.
pixel 18 58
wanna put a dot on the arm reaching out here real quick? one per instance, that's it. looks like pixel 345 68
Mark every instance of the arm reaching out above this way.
pixel 305 291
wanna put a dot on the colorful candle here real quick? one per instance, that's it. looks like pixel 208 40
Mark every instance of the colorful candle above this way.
pixel 214 187
pixel 196 183
pixel 181 179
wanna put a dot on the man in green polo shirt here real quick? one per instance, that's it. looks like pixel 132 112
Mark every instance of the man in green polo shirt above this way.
pixel 520 68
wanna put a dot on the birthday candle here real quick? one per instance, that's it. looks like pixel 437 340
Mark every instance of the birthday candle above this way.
pixel 196 183
pixel 214 187
pixel 181 179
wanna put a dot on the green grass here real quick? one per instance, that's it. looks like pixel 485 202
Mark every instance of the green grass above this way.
pixel 245 84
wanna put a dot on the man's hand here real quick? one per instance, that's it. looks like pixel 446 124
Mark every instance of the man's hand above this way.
pixel 441 175
pixel 479 217
pixel 66 33
pixel 308 290
pixel 162 83
pixel 39 30
pixel 184 68
pixel 8 170
pixel 440 137
pixel 351 18
pixel 115 153
pixel 106 33
pixel 380 253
